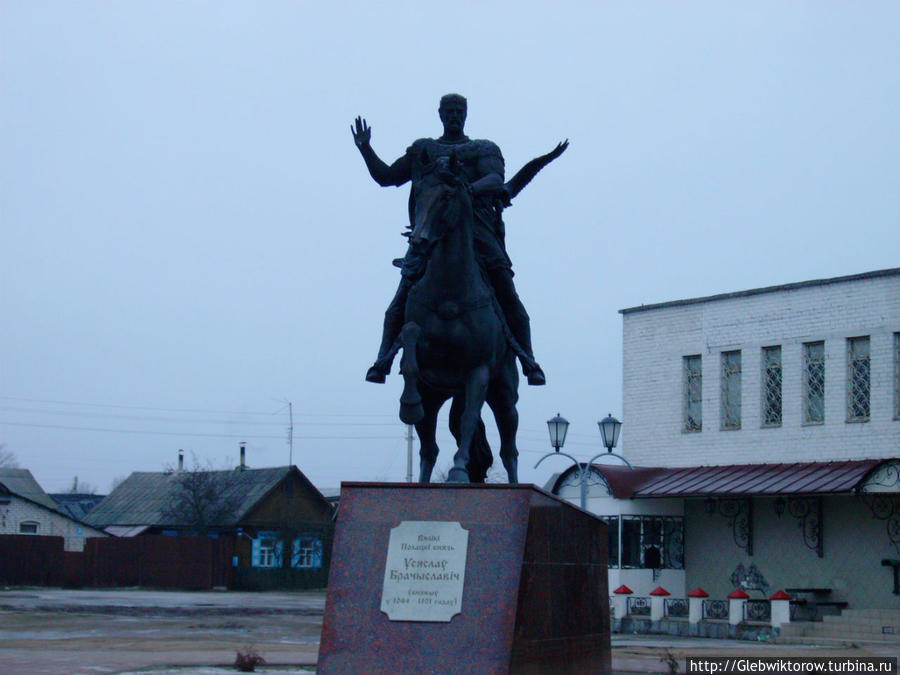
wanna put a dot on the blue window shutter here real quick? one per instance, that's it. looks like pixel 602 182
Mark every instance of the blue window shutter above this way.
pixel 254 556
pixel 279 549
pixel 317 556
pixel 295 553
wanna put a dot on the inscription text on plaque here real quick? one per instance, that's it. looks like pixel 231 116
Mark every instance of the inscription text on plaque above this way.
pixel 425 571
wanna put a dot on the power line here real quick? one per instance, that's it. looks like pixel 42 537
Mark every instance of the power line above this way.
pixel 187 410
pixel 149 432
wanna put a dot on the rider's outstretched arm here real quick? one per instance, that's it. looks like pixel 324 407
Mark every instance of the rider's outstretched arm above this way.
pixel 396 174
pixel 530 170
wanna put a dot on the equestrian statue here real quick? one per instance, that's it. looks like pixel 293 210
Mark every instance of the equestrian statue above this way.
pixel 456 313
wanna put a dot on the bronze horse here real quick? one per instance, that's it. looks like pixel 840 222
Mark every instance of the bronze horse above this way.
pixel 454 341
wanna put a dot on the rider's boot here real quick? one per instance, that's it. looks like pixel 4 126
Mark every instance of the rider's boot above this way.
pixel 519 324
pixel 393 322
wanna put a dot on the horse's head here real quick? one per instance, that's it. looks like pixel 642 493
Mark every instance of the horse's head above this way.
pixel 442 199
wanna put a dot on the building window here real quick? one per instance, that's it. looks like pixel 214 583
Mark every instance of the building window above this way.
pixel 693 393
pixel 307 551
pixel 267 549
pixel 731 390
pixel 653 542
pixel 771 389
pixel 612 534
pixel 29 527
pixel 858 379
pixel 897 376
pixel 813 382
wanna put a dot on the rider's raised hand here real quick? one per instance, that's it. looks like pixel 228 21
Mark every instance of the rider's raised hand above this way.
pixel 362 133
pixel 558 150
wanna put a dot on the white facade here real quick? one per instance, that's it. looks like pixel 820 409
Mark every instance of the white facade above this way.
pixel 657 338
pixel 21 516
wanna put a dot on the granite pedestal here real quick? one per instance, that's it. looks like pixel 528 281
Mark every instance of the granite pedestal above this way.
pixel 534 599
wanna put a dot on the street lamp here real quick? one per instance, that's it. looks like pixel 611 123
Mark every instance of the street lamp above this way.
pixel 558 427
pixel 609 431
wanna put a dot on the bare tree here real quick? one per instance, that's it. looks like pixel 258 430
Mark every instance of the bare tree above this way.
pixel 199 498
pixel 80 487
pixel 116 482
pixel 8 458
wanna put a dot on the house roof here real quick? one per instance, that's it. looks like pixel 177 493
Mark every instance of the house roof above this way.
pixel 76 505
pixel 894 271
pixel 143 498
pixel 734 480
pixel 21 483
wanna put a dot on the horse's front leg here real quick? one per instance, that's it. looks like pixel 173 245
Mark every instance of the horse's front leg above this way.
pixel 411 411
pixel 476 390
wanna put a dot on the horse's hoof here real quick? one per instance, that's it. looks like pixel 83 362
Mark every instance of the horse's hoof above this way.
pixel 411 414
pixel 456 475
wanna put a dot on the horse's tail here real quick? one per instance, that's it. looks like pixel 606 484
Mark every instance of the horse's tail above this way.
pixel 480 457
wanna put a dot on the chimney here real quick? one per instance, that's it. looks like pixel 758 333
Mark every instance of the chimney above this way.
pixel 243 456
pixel 180 459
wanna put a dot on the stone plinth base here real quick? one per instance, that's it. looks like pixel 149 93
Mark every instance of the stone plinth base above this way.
pixel 535 597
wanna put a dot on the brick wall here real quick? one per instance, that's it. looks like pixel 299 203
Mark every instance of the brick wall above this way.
pixel 50 524
pixel 655 341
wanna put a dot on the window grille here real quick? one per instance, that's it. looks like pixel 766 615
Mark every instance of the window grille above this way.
pixel 267 550
pixel 693 393
pixel 307 551
pixel 612 532
pixel 897 376
pixel 771 376
pixel 813 382
pixel 652 542
pixel 731 390
pixel 858 379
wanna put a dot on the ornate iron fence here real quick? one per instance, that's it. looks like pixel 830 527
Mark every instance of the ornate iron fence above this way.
pixel 715 610
pixel 757 610
pixel 676 608
pixel 639 606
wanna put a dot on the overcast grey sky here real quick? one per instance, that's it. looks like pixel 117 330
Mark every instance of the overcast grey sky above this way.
pixel 189 237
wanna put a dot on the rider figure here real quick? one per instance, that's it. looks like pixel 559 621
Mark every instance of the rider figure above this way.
pixel 482 165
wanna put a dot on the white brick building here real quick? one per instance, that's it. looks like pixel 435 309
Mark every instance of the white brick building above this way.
pixel 658 338
pixel 764 428
pixel 26 509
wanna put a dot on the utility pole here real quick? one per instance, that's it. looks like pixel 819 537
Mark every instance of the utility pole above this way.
pixel 409 446
pixel 291 434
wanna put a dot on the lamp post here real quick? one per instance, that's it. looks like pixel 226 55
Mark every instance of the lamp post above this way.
pixel 558 426
pixel 609 432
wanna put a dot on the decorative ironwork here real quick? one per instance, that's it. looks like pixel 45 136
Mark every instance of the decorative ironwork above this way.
pixel 715 610
pixel 638 606
pixel 808 510
pixel 814 382
pixel 885 507
pixel 739 513
pixel 652 542
pixel 757 610
pixel 772 401
pixel 749 579
pixel 731 390
pixel 693 393
pixel 676 607
pixel 885 479
pixel 858 379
